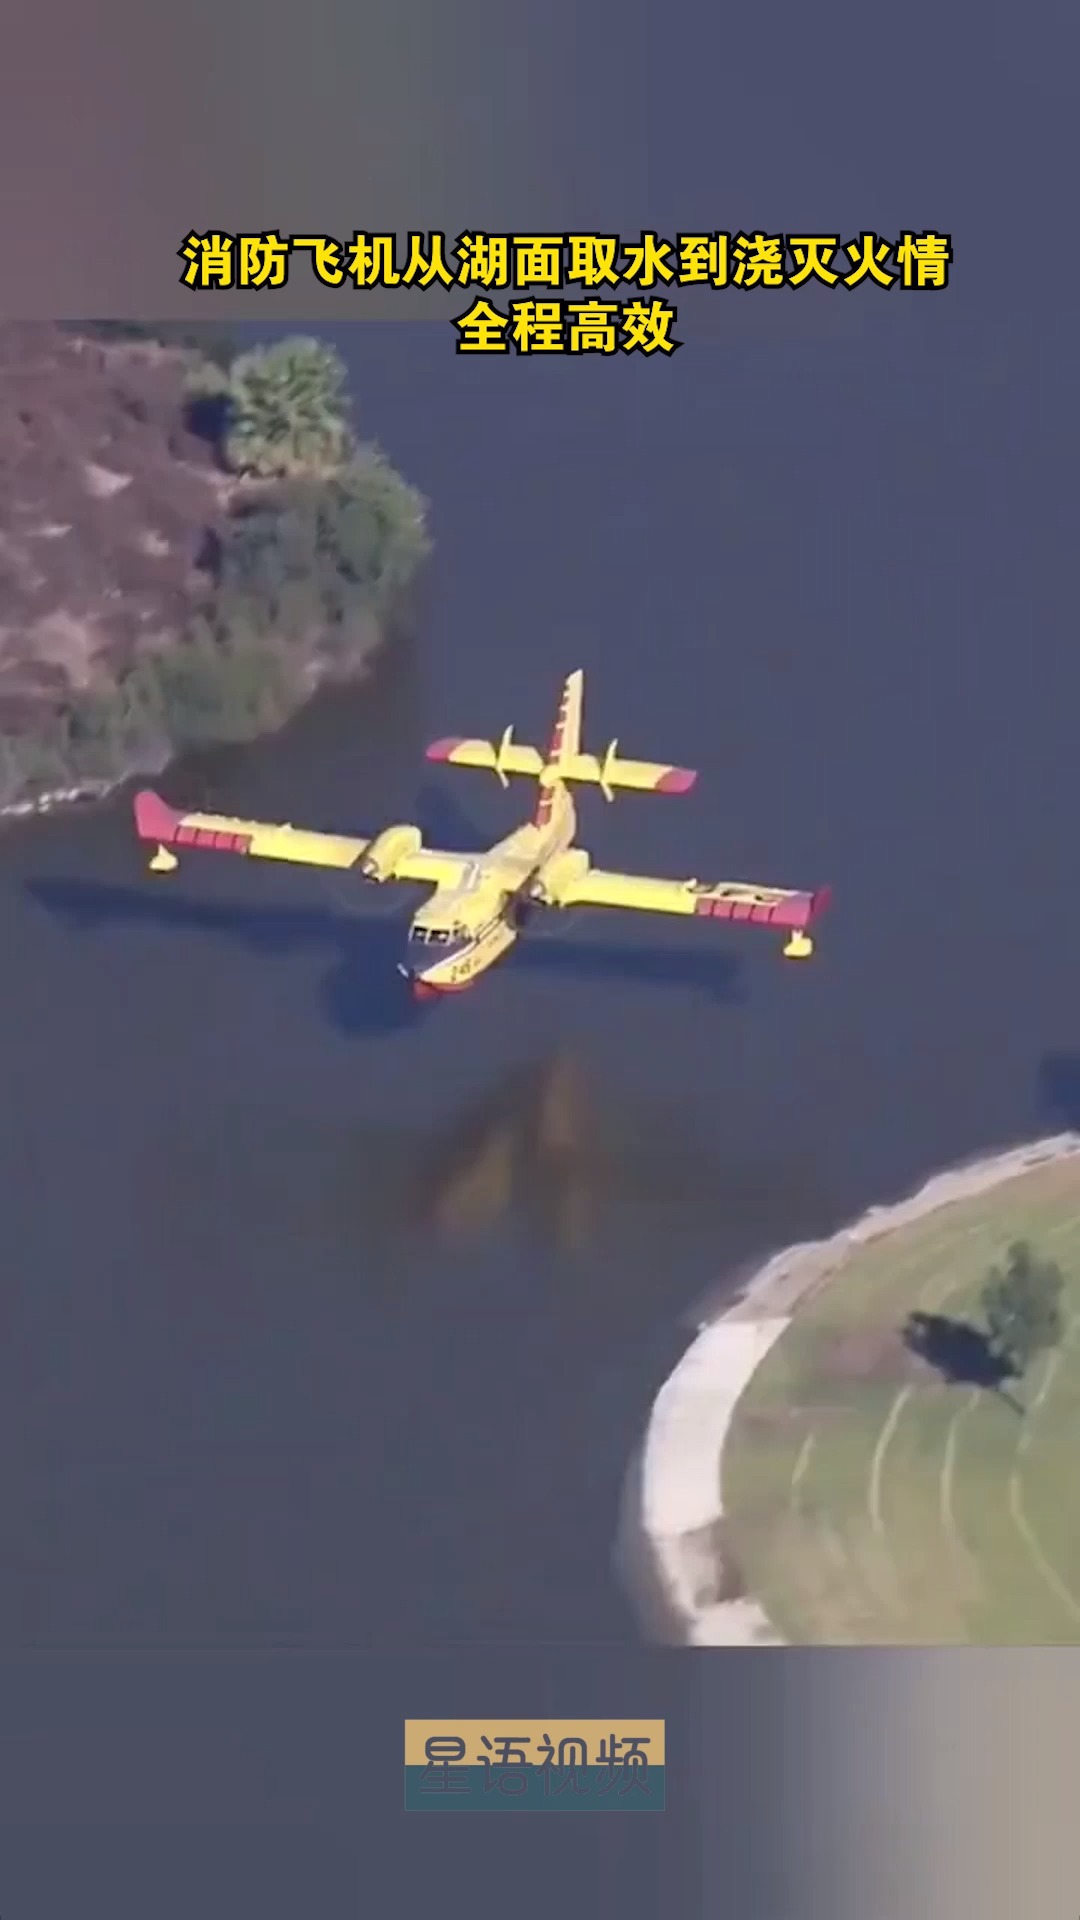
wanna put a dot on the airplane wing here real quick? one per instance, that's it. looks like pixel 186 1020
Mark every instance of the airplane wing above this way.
pixel 395 855
pixel 725 900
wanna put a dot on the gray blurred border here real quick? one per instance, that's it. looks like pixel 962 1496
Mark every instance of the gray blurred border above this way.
pixel 913 1785
pixel 123 128
pixel 815 1785
pixel 126 126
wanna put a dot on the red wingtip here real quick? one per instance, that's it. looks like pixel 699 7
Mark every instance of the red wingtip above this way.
pixel 442 749
pixel 676 780
pixel 154 818
pixel 821 899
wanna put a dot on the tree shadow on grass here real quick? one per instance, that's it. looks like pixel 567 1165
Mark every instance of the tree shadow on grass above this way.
pixel 960 1353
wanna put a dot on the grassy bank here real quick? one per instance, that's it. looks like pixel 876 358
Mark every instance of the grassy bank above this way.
pixel 875 1496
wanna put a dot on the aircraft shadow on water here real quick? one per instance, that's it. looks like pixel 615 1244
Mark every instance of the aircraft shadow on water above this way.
pixel 364 993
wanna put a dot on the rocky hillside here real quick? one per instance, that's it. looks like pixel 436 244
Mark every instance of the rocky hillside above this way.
pixel 149 596
pixel 108 503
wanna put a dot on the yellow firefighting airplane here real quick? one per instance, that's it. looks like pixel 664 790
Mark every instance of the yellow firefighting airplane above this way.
pixel 481 900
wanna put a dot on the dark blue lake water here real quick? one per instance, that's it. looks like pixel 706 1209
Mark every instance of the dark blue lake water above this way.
pixel 326 1322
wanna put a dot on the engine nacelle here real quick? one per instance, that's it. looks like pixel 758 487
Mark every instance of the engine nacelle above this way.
pixel 388 849
pixel 558 875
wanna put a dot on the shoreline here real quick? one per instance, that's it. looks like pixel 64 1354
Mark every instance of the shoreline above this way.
pixel 57 797
pixel 89 792
pixel 671 1538
pixel 315 683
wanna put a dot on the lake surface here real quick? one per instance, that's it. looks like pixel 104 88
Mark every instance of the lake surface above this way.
pixel 331 1320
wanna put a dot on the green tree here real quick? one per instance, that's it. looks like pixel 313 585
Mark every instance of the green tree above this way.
pixel 288 410
pixel 376 525
pixel 216 686
pixel 106 730
pixel 32 763
pixel 317 557
pixel 1022 1307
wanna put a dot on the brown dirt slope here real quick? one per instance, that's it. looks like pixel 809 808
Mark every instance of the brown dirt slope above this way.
pixel 107 505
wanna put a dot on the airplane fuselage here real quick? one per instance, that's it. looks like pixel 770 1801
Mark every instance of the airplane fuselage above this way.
pixel 462 931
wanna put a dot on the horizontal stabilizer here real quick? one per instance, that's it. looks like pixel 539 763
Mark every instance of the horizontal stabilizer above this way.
pixel 503 759
pixel 584 769
pixel 640 776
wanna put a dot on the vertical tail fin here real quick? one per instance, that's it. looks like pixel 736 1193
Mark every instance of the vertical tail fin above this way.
pixel 565 745
pixel 566 738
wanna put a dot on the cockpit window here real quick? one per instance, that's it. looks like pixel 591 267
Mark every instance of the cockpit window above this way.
pixel 430 936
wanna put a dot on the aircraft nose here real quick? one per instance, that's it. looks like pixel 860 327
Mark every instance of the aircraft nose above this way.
pixel 418 986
